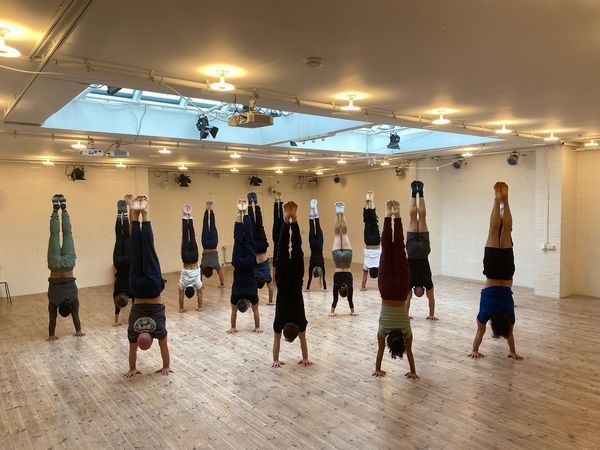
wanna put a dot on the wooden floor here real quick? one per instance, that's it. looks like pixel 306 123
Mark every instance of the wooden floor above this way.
pixel 224 394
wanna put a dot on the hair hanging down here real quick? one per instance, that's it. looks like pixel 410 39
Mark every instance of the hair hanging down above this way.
pixel 395 342
pixel 343 291
pixel 207 272
pixel 189 291
pixel 65 308
pixel 290 331
pixel 122 300
pixel 242 305
pixel 260 282
pixel 317 272
pixel 374 272
pixel 501 325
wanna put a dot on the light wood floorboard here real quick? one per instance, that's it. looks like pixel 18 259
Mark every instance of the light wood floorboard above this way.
pixel 224 394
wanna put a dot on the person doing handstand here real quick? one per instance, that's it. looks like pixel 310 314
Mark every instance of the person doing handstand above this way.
pixel 496 303
pixel 316 263
pixel 147 319
pixel 244 290
pixel 210 243
pixel 121 261
pixel 394 284
pixel 372 238
pixel 190 282
pixel 290 318
pixel 262 270
pixel 342 258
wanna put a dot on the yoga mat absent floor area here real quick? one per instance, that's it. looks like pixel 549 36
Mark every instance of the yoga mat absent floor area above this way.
pixel 223 392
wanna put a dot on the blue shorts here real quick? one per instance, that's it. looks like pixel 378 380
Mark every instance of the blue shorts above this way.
pixel 263 270
pixel 496 299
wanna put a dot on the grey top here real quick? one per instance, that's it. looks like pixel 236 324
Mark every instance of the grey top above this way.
pixel 417 245
pixel 342 258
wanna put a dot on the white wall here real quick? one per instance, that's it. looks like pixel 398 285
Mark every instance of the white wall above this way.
pixel 587 270
pixel 467 198
pixel 25 208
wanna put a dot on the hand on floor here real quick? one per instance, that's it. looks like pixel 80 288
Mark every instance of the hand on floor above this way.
pixel 258 330
pixel 79 334
pixel 305 362
pixel 131 373
pixel 411 375
pixel 51 338
pixel 164 371
pixel 232 330
pixel 476 355
pixel 277 364
pixel 378 373
pixel 515 356
pixel 432 317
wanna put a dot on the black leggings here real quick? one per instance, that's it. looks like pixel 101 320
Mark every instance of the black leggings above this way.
pixel 121 257
pixel 145 277
pixel 189 246
pixel 372 235
pixel 276 231
pixel 260 237
pixel 210 236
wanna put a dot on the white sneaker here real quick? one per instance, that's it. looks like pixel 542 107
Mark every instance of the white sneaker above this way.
pixel 339 207
pixel 313 203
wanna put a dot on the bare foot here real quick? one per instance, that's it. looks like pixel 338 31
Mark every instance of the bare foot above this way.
pixel 271 304
pixel 79 334
pixel 135 204
pixel 353 314
pixel 51 338
pixel 504 191
pixel 144 202
pixel 396 209
pixel 498 189
pixel 116 324
pixel 278 196
pixel 187 210
pixel 370 196
pixel 242 205
pixel 389 208
pixel 332 314
pixel 290 209
pixel 209 205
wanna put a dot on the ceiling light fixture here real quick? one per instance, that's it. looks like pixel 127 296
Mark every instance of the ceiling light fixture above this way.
pixel 466 154
pixel 5 50
pixel 441 120
pixel 341 161
pixel 592 143
pixel 551 138
pixel 205 129
pixel 222 85
pixel 48 163
pixel 279 171
pixel 164 151
pixel 234 170
pixel 513 159
pixel 503 130
pixel 385 163
pixel 350 106
pixel 120 165
pixel 235 155
pixel 293 159
pixel 182 167
pixel 78 146
pixel 319 172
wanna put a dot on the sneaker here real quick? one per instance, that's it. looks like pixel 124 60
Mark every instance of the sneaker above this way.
pixel 56 202
pixel 313 203
pixel 252 198
pixel 339 207
pixel 414 186
pixel 420 186
pixel 63 201
pixel 121 207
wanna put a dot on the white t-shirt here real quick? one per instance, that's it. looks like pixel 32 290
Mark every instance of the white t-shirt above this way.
pixel 372 256
pixel 190 277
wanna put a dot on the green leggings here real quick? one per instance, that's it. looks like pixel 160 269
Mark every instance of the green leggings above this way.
pixel 61 259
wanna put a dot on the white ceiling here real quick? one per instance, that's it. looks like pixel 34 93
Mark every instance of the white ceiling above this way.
pixel 534 62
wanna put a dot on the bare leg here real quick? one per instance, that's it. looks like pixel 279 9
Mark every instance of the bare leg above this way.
pixel 431 298
pixel 270 287
pixel 181 305
pixel 363 284
pixel 199 295
pixel 413 225
pixel 493 239
pixel 257 328
pixel 506 236
pixel 422 223
pixel 221 278
pixel 407 304
pixel 164 353
pixel 233 329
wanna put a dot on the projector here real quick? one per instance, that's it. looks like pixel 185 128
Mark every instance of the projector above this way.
pixel 92 152
pixel 250 119
pixel 118 154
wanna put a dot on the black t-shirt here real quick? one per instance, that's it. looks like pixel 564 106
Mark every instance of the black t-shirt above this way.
pixel 420 273
pixel 289 308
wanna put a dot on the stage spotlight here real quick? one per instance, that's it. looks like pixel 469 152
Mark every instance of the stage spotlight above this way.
pixel 77 174
pixel 457 164
pixel 293 144
pixel 337 179
pixel 255 181
pixel 112 90
pixel 205 129
pixel 400 171
pixel 183 180
pixel 513 159
pixel 394 142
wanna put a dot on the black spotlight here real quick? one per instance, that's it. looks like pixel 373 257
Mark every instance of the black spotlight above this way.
pixel 394 142
pixel 457 164
pixel 337 179
pixel 293 144
pixel 112 90
pixel 255 181
pixel 183 180
pixel 77 174
pixel 513 159
pixel 205 129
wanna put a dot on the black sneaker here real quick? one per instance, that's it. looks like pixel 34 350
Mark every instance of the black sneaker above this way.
pixel 252 197
pixel 63 201
pixel 420 186
pixel 415 188
pixel 121 207
pixel 56 202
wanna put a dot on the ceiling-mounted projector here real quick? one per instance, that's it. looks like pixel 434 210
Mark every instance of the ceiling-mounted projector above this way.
pixel 250 119
pixel 92 152
pixel 117 154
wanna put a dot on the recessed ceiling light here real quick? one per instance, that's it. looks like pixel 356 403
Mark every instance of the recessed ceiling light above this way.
pixel 78 146
pixel 279 171
pixel 385 163
pixel 293 159
pixel 182 167
pixel 164 151
pixel 221 85
pixel 551 138
pixel 319 172
pixel 120 165
pixel 466 154
pixel 235 155
pixel 350 106
pixel 234 170
pixel 341 161
pixel 441 120
pixel 50 163
pixel 592 143
pixel 5 50
pixel 503 130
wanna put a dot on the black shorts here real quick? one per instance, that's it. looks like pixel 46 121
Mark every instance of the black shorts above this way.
pixel 499 263
pixel 147 317
pixel 420 273
pixel 417 245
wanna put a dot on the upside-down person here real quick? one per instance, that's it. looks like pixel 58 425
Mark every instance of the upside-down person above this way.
pixel 262 270
pixel 210 244
pixel 189 280
pixel 316 263
pixel 372 237
pixel 342 258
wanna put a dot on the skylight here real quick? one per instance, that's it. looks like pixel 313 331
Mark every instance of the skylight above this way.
pixel 165 115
